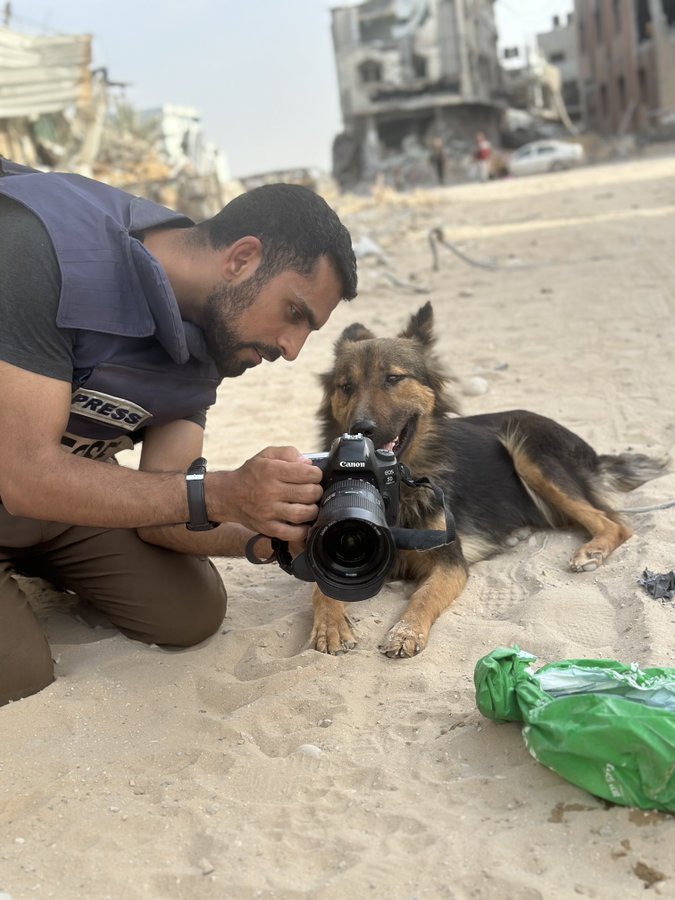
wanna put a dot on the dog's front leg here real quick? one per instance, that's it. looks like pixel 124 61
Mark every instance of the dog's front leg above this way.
pixel 437 590
pixel 332 630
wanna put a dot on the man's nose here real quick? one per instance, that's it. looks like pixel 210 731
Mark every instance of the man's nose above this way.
pixel 291 344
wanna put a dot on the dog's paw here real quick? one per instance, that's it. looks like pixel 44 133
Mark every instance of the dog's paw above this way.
pixel 585 560
pixel 520 534
pixel 403 641
pixel 333 634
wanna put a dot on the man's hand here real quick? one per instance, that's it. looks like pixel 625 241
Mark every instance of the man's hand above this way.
pixel 275 493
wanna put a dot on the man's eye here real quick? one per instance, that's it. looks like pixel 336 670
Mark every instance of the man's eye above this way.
pixel 394 379
pixel 296 314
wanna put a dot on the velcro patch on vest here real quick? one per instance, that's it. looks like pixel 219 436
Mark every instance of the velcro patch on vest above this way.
pixel 108 410
pixel 95 449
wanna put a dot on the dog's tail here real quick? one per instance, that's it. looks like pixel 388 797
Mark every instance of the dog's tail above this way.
pixel 626 471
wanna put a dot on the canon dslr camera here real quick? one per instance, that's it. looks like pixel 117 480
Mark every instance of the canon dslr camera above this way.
pixel 351 547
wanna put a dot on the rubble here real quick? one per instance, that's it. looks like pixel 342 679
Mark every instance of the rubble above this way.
pixel 57 112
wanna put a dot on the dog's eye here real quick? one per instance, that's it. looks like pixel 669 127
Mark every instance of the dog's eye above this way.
pixel 346 388
pixel 394 379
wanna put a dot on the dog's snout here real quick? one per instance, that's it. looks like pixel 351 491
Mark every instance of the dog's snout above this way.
pixel 366 427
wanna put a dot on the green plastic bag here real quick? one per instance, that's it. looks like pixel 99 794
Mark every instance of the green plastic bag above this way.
pixel 607 727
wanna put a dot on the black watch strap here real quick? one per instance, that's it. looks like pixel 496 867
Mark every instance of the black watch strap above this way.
pixel 199 519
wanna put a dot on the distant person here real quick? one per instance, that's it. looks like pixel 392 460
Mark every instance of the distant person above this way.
pixel 439 159
pixel 118 320
pixel 482 153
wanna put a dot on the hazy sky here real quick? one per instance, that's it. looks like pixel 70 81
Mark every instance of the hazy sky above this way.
pixel 260 72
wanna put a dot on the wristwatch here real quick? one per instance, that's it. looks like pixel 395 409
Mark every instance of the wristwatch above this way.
pixel 199 519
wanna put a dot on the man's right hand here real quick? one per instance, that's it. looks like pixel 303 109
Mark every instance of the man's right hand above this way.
pixel 275 493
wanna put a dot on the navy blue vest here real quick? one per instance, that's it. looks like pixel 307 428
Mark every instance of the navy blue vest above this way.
pixel 137 363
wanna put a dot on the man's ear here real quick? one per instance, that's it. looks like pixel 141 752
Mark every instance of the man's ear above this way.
pixel 241 259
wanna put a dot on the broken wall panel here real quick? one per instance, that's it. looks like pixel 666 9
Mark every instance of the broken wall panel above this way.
pixel 43 74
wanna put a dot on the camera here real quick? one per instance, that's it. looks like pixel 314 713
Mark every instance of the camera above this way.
pixel 351 545
pixel 350 548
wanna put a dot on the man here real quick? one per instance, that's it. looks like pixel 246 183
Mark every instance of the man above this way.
pixel 438 158
pixel 482 153
pixel 118 319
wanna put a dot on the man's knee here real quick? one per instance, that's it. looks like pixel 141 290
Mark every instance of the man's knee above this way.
pixel 26 664
pixel 195 621
pixel 184 612
pixel 27 675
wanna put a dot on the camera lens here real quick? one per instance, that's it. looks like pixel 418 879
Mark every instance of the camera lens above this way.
pixel 353 543
pixel 350 548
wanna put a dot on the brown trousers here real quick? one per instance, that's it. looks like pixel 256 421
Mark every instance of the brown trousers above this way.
pixel 151 594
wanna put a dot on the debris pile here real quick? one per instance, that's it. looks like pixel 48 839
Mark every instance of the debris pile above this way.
pixel 57 112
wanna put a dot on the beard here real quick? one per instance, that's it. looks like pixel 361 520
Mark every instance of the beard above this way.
pixel 222 313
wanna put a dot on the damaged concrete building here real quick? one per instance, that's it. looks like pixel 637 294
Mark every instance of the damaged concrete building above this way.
pixel 45 84
pixel 409 71
pixel 58 112
pixel 627 66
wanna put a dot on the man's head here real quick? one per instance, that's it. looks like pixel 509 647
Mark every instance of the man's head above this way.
pixel 287 261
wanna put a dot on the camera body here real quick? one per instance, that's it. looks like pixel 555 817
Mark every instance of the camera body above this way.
pixel 353 456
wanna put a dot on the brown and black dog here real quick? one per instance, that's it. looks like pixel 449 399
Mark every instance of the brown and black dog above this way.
pixel 500 472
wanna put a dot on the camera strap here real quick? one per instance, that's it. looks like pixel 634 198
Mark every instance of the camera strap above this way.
pixel 281 555
pixel 418 538
pixel 404 538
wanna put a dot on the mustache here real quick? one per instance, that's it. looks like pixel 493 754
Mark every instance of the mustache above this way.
pixel 265 350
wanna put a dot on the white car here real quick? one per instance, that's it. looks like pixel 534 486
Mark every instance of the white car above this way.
pixel 545 156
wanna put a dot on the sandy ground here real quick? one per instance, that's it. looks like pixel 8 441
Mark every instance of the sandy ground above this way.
pixel 252 766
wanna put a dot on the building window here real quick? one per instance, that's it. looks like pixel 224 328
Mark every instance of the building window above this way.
pixel 643 20
pixel 616 15
pixel 420 67
pixel 570 92
pixel 598 19
pixel 621 85
pixel 370 71
pixel 557 57
pixel 604 106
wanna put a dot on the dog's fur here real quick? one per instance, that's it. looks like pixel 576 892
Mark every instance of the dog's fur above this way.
pixel 500 472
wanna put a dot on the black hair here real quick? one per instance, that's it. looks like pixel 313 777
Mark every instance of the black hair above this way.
pixel 295 227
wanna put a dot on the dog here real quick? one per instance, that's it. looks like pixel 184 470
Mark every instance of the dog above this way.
pixel 500 473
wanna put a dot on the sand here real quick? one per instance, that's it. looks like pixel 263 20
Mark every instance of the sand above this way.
pixel 252 766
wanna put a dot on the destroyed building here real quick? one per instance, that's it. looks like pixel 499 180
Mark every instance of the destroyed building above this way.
pixel 558 48
pixel 627 66
pixel 46 94
pixel 59 112
pixel 409 71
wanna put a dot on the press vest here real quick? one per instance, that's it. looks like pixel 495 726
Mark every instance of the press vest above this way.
pixel 137 363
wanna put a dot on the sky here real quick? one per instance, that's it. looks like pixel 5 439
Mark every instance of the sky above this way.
pixel 261 73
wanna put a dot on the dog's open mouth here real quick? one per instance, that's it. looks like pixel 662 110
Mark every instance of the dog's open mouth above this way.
pixel 402 440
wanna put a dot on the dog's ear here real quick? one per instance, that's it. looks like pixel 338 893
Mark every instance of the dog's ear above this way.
pixel 352 333
pixel 421 326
